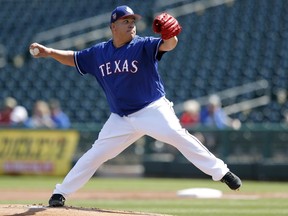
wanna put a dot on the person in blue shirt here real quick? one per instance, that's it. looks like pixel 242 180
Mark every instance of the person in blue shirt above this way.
pixel 126 67
pixel 41 116
pixel 213 115
pixel 60 119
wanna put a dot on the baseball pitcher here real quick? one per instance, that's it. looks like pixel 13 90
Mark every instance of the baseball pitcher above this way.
pixel 126 67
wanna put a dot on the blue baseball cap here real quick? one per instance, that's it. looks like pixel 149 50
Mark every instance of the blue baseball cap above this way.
pixel 122 12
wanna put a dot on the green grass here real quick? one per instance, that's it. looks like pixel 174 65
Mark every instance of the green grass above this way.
pixel 249 206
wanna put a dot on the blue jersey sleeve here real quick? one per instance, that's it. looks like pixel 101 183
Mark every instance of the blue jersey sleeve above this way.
pixel 85 60
pixel 153 43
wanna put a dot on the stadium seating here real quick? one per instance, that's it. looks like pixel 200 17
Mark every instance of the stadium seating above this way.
pixel 220 48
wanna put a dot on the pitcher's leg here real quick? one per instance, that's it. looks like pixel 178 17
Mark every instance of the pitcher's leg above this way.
pixel 166 128
pixel 109 144
pixel 196 153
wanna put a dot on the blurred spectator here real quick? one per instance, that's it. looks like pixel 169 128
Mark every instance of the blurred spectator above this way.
pixel 214 116
pixel 5 114
pixel 61 120
pixel 191 115
pixel 41 117
pixel 18 116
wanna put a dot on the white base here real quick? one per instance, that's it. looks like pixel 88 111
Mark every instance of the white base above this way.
pixel 200 193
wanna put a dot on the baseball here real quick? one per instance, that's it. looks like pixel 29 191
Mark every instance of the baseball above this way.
pixel 34 51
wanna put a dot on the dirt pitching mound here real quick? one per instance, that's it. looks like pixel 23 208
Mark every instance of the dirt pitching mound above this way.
pixel 40 210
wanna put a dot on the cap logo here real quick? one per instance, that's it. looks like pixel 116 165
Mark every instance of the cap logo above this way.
pixel 114 15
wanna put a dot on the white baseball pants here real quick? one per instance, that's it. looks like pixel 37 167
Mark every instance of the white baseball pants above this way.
pixel 157 120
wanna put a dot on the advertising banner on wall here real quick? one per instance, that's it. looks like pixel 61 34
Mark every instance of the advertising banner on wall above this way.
pixel 48 152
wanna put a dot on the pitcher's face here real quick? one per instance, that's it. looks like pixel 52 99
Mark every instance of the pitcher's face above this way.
pixel 124 29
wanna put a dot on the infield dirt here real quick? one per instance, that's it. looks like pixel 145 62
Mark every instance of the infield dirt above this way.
pixel 39 210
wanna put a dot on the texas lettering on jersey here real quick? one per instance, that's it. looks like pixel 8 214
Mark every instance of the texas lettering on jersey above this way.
pixel 118 66
pixel 128 75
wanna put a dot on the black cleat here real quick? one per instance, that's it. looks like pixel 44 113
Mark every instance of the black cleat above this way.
pixel 233 181
pixel 57 200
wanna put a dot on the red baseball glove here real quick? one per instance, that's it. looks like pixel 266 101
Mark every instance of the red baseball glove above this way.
pixel 166 25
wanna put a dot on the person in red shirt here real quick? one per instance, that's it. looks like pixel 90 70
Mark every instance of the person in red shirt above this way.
pixel 5 113
pixel 191 115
